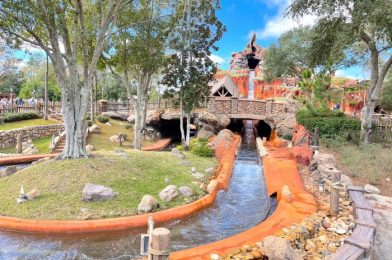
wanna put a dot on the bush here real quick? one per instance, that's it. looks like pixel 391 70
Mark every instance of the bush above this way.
pixel 330 123
pixel 203 151
pixel 89 123
pixel 200 147
pixel 128 126
pixel 12 117
pixel 103 119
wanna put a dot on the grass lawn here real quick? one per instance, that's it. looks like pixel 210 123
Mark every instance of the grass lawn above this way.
pixel 101 140
pixel 60 184
pixel 30 122
pixel 42 144
pixel 365 164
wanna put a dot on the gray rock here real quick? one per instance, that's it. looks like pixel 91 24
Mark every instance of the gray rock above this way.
pixel 186 191
pixel 148 204
pixel 286 124
pixel 175 150
pixel 131 119
pixel 169 193
pixel 113 138
pixel 199 175
pixel 94 192
pixel 278 248
pixel 210 170
pixel 205 134
pixel 10 170
pixel 108 123
pixel 89 148
pixel 325 158
pixel 371 189
pixel 94 129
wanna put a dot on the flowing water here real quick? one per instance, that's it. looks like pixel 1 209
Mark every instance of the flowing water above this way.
pixel 244 205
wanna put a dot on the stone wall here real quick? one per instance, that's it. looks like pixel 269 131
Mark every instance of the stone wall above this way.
pixel 221 105
pixel 8 137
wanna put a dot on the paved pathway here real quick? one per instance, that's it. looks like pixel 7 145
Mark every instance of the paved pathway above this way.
pixel 383 216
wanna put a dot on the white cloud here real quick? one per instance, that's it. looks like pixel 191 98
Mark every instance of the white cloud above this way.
pixel 217 59
pixel 355 72
pixel 280 23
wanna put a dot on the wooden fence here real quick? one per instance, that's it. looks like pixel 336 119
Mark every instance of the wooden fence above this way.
pixel 111 106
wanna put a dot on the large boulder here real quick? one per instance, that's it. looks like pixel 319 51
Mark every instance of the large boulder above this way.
pixel 285 124
pixel 324 158
pixel 8 171
pixel 212 122
pixel 204 134
pixel 148 204
pixel 170 115
pixel 224 137
pixel 278 248
pixel 169 193
pixel 94 129
pixel 115 115
pixel 153 117
pixel 94 192
pixel 131 118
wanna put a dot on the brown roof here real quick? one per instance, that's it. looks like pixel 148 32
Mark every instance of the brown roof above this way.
pixel 228 83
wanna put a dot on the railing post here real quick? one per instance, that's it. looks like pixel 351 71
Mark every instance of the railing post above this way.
pixel 160 244
pixel 334 200
pixel 19 143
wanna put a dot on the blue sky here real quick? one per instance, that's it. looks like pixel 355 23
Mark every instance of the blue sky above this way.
pixel 242 17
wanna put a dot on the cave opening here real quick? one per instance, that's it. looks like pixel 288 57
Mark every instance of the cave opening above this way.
pixel 263 129
pixel 171 129
pixel 236 126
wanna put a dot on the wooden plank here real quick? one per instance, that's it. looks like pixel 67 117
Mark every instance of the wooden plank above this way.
pixel 359 200
pixel 356 242
pixel 346 252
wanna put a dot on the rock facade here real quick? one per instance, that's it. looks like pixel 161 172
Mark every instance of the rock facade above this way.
pixel 8 137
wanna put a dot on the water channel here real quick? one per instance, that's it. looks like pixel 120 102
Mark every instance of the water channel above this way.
pixel 244 205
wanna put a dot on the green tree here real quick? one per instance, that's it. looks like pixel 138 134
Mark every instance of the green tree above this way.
pixel 355 23
pixel 189 68
pixel 139 53
pixel 73 34
pixel 298 50
pixel 386 94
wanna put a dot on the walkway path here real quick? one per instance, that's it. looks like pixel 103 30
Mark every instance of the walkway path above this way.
pixel 382 207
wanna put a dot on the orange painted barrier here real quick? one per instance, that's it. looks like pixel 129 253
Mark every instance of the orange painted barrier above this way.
pixel 24 159
pixel 160 145
pixel 280 169
pixel 89 226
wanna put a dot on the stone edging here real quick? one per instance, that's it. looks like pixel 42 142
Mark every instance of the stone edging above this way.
pixel 280 170
pixel 359 245
pixel 226 165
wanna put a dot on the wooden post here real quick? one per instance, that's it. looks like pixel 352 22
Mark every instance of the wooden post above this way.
pixel 19 143
pixel 334 203
pixel 160 244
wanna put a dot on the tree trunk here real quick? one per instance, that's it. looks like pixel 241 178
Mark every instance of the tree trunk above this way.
pixel 138 119
pixel 46 88
pixel 188 132
pixel 182 123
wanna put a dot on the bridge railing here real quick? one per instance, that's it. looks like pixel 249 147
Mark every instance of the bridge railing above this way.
pixel 238 106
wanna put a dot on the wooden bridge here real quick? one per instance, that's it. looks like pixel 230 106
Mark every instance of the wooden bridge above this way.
pixel 238 108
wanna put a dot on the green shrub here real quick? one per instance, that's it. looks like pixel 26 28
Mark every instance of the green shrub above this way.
pixel 180 147
pixel 330 123
pixel 128 126
pixel 13 117
pixel 203 150
pixel 199 146
pixel 89 123
pixel 103 119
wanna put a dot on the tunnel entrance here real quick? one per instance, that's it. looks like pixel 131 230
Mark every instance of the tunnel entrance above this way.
pixel 236 126
pixel 263 129
pixel 171 129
